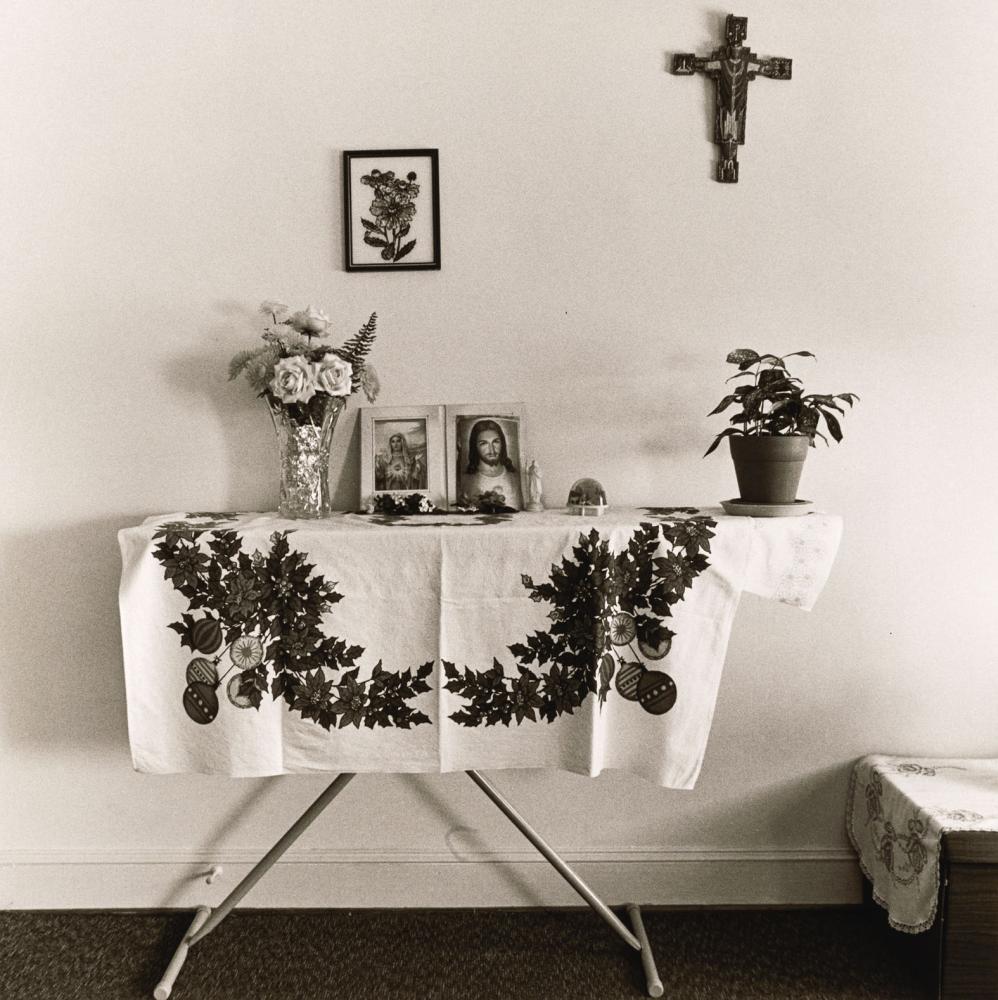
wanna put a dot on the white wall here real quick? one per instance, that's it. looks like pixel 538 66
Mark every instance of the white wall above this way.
pixel 167 165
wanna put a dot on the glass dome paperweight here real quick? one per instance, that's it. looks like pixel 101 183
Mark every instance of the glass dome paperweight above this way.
pixel 587 498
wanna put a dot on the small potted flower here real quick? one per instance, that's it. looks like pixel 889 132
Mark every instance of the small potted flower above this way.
pixel 306 385
pixel 774 425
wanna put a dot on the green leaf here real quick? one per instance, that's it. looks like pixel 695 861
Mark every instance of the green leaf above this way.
pixel 723 405
pixel 374 241
pixel 818 399
pixel 807 420
pixel 241 360
pixel 774 379
pixel 369 226
pixel 799 354
pixel 742 355
pixel 773 359
pixel 405 250
pixel 833 424
pixel 725 433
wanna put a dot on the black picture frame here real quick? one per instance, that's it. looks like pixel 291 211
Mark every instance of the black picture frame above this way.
pixel 371 241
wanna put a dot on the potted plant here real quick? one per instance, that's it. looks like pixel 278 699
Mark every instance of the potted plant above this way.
pixel 774 426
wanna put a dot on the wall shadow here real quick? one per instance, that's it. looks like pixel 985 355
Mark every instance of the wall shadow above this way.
pixel 240 812
pixel 251 473
pixel 63 678
pixel 767 814
pixel 200 375
pixel 465 842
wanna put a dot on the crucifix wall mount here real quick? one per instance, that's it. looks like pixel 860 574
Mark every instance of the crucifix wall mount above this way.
pixel 731 68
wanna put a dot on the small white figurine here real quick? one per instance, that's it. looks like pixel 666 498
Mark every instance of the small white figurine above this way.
pixel 534 495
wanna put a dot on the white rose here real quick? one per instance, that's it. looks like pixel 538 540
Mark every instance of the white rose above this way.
pixel 293 381
pixel 310 321
pixel 333 375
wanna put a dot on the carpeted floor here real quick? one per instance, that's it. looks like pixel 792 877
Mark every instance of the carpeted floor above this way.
pixel 832 954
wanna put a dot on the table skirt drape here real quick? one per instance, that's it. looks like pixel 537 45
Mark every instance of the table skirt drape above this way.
pixel 256 646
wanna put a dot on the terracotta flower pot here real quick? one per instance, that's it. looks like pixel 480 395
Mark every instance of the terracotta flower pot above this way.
pixel 768 469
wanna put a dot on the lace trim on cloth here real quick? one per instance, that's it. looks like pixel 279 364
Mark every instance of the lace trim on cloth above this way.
pixel 909 805
pixel 811 549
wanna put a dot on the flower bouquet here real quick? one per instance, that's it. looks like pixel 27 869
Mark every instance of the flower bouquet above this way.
pixel 306 385
pixel 290 371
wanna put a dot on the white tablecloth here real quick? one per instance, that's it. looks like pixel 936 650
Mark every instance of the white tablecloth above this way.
pixel 256 646
pixel 899 808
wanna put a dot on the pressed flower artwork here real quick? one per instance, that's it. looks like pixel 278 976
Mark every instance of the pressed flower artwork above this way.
pixel 392 210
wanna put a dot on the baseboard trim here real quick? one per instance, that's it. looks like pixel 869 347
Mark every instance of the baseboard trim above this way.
pixel 149 879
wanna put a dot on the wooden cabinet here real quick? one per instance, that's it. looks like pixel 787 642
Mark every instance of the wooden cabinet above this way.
pixel 957 958
pixel 968 917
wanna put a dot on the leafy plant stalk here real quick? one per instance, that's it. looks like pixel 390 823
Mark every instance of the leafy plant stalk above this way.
pixel 772 401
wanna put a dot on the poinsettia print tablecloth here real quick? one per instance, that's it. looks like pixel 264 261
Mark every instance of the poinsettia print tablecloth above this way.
pixel 257 646
pixel 899 808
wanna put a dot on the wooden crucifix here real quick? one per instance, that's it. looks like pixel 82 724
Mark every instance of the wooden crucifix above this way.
pixel 731 68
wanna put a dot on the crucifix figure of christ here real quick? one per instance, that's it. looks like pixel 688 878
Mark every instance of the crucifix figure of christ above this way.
pixel 731 68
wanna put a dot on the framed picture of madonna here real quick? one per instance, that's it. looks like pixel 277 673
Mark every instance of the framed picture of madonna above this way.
pixel 402 452
pixel 391 210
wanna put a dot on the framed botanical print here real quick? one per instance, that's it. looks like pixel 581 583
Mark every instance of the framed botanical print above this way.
pixel 391 210
pixel 402 452
pixel 486 444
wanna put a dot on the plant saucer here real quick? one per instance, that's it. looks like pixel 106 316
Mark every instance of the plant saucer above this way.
pixel 745 508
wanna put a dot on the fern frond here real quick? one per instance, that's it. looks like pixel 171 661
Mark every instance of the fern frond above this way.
pixel 359 346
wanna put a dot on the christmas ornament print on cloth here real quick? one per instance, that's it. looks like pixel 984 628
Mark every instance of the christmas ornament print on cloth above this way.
pixel 255 645
pixel 602 602
pixel 272 597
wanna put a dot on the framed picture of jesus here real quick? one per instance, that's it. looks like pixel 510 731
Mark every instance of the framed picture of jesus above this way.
pixel 485 449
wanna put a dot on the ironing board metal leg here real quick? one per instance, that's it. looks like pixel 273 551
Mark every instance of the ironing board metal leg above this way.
pixel 655 988
pixel 267 861
pixel 165 986
pixel 566 873
pixel 206 919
